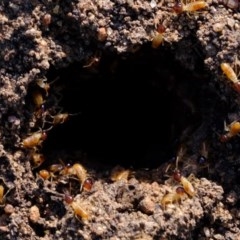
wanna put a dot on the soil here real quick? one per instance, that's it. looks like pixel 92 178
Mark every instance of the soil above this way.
pixel 134 114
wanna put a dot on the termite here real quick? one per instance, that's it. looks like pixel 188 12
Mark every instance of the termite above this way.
pixel 37 98
pixel 2 198
pixel 34 140
pixel 2 195
pixel 232 130
pixel 180 7
pixel 44 85
pixel 37 159
pixel 81 173
pixel 231 75
pixel 56 168
pixel 174 197
pixel 158 38
pixel 119 173
pixel 52 170
pixel 87 184
pixel 187 186
pixel 177 176
pixel 79 211
pixel 61 118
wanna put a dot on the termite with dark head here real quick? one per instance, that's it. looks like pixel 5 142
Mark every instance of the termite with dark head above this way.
pixel 187 185
pixel 158 38
pixel 177 176
pixel 81 173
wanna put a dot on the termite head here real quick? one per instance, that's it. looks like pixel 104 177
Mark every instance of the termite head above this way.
pixel 224 138
pixel 68 198
pixel 178 7
pixel 177 175
pixel 87 184
pixel 44 135
pixel 236 86
pixel 180 191
pixel 161 28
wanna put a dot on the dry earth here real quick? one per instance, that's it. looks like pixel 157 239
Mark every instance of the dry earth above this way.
pixel 148 103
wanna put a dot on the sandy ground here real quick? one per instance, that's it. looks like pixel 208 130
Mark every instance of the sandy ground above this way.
pixel 39 41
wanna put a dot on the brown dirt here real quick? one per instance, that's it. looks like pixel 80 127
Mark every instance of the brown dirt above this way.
pixel 132 105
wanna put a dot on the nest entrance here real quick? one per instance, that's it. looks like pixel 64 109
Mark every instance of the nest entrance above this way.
pixel 134 110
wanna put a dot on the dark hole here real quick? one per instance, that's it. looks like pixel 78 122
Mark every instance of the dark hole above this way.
pixel 133 110
pixel 38 228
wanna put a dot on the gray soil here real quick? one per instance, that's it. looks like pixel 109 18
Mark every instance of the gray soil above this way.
pixel 148 103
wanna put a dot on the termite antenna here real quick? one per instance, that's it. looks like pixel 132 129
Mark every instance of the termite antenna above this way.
pixel 46 130
pixel 179 156
pixel 54 80
pixel 75 114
